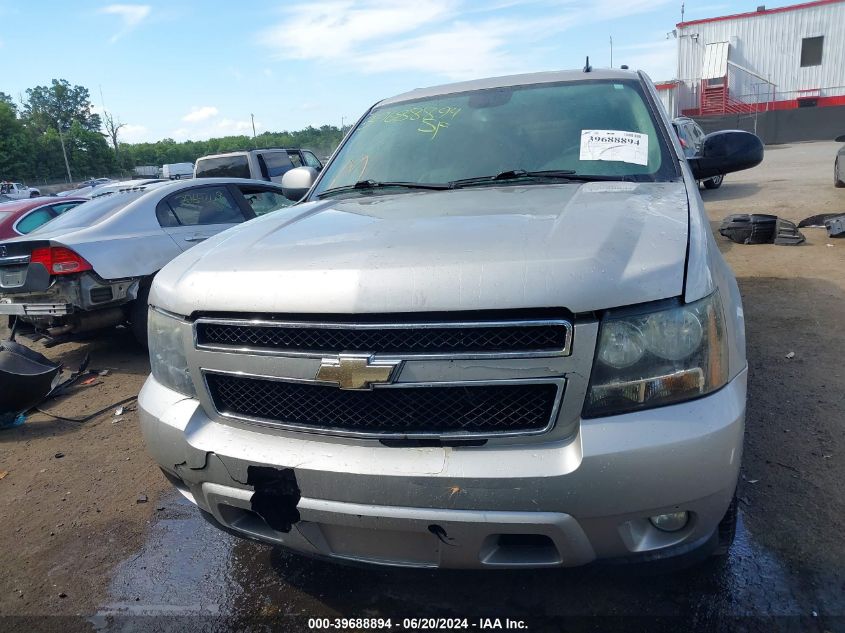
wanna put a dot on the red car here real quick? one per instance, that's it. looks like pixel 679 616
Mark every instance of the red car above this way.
pixel 20 217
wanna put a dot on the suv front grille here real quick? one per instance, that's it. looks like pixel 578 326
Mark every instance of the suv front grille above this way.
pixel 441 339
pixel 394 411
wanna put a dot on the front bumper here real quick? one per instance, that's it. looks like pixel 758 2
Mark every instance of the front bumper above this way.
pixel 561 503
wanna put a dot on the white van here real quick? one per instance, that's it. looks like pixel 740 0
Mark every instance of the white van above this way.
pixel 259 164
pixel 177 171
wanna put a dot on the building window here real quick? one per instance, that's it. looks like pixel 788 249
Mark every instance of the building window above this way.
pixel 811 51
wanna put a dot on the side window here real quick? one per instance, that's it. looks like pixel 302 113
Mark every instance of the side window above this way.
pixel 165 215
pixel 32 221
pixel 235 166
pixel 202 205
pixel 697 135
pixel 295 158
pixel 58 209
pixel 264 200
pixel 277 163
pixel 311 160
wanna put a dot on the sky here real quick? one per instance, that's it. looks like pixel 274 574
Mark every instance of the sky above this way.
pixel 187 69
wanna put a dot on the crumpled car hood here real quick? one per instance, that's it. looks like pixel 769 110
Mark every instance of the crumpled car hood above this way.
pixel 583 247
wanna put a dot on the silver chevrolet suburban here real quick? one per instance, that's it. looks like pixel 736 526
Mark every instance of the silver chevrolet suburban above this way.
pixel 495 332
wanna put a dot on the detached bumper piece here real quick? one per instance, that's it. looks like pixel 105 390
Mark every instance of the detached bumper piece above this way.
pixel 26 378
pixel 836 226
pixel 760 228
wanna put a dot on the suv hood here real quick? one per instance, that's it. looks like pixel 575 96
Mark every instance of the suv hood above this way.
pixel 583 247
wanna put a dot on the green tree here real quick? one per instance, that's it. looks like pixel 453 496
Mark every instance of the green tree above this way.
pixel 15 144
pixel 58 106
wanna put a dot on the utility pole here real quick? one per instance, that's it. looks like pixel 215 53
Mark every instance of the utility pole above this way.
pixel 254 142
pixel 64 153
pixel 611 51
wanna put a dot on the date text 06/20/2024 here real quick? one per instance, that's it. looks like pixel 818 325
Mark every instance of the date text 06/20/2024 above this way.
pixel 416 624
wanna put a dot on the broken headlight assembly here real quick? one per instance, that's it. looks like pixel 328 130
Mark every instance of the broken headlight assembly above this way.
pixel 167 352
pixel 660 357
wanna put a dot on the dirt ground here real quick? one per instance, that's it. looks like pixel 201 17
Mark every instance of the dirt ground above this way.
pixel 66 523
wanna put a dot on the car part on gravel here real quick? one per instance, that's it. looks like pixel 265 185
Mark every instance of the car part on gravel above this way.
pixel 760 228
pixel 835 226
pixel 749 228
pixel 787 234
pixel 27 377
pixel 818 221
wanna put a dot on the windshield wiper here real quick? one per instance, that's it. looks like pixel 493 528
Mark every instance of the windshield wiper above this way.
pixel 375 184
pixel 519 174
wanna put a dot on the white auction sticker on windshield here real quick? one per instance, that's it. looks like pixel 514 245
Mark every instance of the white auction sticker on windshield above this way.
pixel 614 145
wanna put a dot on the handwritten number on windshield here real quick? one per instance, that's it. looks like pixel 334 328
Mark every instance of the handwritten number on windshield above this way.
pixel 431 120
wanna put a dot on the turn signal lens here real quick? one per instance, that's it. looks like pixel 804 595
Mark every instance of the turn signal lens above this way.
pixel 59 260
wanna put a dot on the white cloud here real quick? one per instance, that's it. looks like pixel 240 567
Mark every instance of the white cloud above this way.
pixel 220 127
pixel 334 28
pixel 131 15
pixel 658 59
pixel 133 133
pixel 200 114
pixel 460 52
pixel 226 127
pixel 453 38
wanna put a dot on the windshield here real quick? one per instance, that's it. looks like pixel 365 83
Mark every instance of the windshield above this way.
pixel 600 128
pixel 89 213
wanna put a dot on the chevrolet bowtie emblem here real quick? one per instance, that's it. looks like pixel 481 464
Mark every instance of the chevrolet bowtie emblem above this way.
pixel 356 371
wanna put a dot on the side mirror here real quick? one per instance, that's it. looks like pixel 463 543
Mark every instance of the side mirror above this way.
pixel 840 139
pixel 726 152
pixel 296 182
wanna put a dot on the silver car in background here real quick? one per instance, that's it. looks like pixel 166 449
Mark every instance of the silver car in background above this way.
pixel 92 267
pixel 496 332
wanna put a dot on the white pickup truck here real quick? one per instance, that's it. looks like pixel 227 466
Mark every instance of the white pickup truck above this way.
pixel 18 191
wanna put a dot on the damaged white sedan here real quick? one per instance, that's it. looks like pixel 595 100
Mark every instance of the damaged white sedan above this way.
pixel 496 332
pixel 92 267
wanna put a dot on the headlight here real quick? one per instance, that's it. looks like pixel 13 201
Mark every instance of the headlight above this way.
pixel 651 359
pixel 167 352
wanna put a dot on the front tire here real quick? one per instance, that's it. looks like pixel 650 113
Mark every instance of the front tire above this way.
pixel 33 194
pixel 727 529
pixel 837 178
pixel 714 183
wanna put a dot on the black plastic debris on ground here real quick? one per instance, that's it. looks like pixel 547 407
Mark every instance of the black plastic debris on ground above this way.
pixel 27 377
pixel 787 234
pixel 760 228
pixel 818 221
pixel 835 226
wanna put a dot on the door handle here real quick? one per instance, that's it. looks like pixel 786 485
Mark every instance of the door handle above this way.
pixel 196 238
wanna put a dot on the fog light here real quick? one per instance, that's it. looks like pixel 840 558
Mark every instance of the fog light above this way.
pixel 670 522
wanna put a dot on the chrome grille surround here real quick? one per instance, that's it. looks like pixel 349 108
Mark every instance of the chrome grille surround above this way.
pixel 541 424
pixel 385 338
pixel 564 368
